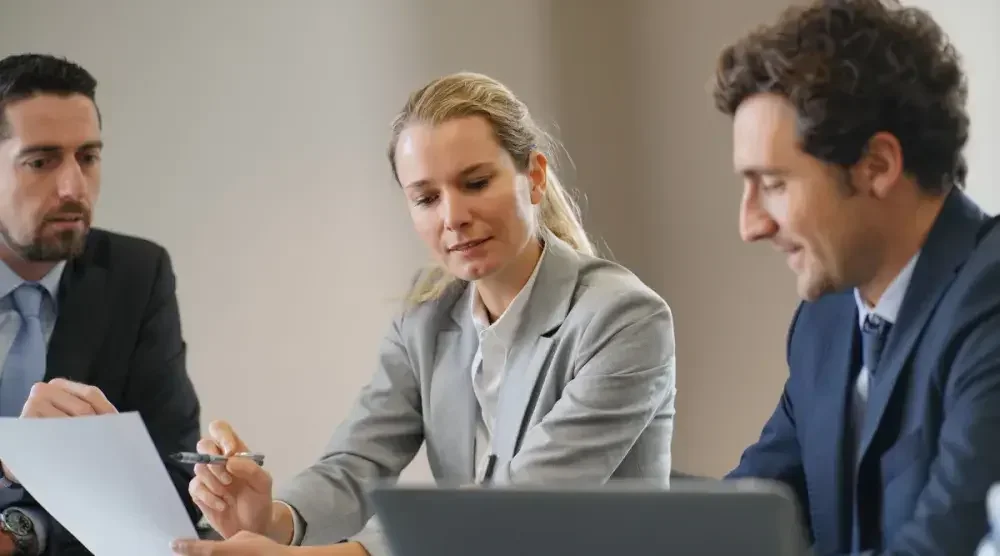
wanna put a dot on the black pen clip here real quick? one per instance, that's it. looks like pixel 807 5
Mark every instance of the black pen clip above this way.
pixel 491 463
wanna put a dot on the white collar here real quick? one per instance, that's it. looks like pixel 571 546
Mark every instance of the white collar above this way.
pixel 506 325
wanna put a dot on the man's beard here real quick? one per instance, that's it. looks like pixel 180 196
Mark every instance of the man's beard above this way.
pixel 61 246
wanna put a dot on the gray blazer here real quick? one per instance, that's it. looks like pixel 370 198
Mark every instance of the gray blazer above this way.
pixel 589 398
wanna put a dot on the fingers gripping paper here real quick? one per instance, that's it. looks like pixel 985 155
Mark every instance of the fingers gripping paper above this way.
pixel 101 478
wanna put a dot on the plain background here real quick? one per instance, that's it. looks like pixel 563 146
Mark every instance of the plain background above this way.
pixel 249 139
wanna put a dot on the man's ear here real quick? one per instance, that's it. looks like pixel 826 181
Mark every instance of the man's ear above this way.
pixel 881 166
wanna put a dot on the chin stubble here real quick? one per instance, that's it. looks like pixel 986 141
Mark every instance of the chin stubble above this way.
pixel 62 246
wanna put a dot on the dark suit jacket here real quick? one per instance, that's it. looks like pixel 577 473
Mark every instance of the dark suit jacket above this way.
pixel 929 448
pixel 119 329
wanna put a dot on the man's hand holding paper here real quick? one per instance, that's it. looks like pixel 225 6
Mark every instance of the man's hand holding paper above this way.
pixel 101 477
pixel 62 398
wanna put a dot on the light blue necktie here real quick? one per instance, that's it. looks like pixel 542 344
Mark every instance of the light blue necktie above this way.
pixel 25 364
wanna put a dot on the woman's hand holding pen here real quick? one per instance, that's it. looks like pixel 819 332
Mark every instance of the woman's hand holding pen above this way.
pixel 235 496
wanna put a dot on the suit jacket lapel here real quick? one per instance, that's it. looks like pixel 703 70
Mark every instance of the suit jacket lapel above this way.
pixel 457 347
pixel 545 310
pixel 839 355
pixel 82 319
pixel 950 242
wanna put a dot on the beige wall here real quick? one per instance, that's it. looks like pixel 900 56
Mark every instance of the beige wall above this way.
pixel 250 141
pixel 974 27
pixel 654 160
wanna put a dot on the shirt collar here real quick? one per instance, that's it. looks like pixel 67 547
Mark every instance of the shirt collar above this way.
pixel 505 326
pixel 9 280
pixel 890 302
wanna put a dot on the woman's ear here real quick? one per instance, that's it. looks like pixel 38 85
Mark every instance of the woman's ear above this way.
pixel 538 175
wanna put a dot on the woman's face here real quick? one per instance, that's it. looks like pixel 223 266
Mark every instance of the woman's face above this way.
pixel 468 202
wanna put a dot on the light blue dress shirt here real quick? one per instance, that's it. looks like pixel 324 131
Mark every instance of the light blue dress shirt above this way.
pixel 10 320
pixel 10 323
pixel 888 309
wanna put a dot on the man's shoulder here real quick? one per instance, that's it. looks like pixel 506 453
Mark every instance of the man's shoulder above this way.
pixel 112 249
pixel 128 265
pixel 970 307
pixel 978 280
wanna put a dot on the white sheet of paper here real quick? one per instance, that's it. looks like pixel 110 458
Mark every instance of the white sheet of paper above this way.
pixel 101 478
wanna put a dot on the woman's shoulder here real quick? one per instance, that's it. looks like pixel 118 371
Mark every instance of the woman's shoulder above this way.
pixel 600 282
pixel 610 300
pixel 430 300
pixel 604 283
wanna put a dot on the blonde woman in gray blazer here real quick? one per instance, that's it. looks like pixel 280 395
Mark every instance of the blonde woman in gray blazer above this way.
pixel 521 357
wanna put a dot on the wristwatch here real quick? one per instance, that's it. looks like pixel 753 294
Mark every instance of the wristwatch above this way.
pixel 18 526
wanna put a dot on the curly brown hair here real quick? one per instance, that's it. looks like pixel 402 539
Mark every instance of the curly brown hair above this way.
pixel 853 68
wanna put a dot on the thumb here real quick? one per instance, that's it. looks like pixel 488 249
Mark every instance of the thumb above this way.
pixel 7 473
pixel 192 547
pixel 224 435
pixel 256 477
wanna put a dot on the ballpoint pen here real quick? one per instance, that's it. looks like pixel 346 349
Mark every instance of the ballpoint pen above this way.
pixel 194 457
pixel 491 463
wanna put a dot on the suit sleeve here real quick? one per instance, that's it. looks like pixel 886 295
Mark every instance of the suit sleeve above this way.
pixel 159 387
pixel 380 437
pixel 776 455
pixel 625 380
pixel 950 515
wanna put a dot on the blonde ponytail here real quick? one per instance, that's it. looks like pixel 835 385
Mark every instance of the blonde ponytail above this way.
pixel 473 94
pixel 560 214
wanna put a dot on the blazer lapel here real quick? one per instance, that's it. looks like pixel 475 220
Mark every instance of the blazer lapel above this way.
pixel 545 311
pixel 82 320
pixel 516 393
pixel 839 356
pixel 457 346
pixel 949 244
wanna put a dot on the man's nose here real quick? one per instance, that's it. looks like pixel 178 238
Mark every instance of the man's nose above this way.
pixel 72 183
pixel 755 223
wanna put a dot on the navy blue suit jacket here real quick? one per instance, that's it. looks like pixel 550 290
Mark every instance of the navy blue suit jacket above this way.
pixel 930 441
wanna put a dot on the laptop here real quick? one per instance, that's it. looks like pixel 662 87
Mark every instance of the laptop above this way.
pixel 698 518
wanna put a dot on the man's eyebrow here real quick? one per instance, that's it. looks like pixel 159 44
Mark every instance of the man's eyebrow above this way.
pixel 44 148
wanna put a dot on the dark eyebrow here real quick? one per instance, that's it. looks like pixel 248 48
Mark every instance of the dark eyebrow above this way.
pixel 39 149
pixel 763 171
pixel 471 169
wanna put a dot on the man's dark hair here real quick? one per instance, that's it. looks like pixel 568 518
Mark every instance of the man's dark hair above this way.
pixel 26 75
pixel 853 68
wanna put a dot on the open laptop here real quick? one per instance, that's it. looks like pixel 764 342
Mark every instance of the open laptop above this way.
pixel 699 518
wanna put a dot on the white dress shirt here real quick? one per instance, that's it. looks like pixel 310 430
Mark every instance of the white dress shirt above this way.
pixel 990 545
pixel 489 366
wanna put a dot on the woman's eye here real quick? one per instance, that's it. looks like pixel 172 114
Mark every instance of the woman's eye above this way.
pixel 478 184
